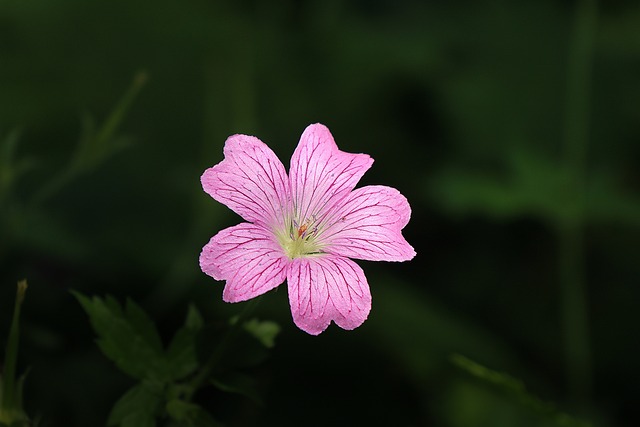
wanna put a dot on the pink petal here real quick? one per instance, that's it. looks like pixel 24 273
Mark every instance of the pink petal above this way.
pixel 248 258
pixel 250 180
pixel 369 226
pixel 327 288
pixel 321 174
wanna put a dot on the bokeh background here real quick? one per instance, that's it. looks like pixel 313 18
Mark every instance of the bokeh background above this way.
pixel 514 139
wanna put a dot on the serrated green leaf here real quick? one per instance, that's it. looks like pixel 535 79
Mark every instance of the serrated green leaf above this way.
pixel 265 331
pixel 138 407
pixel 143 324
pixel 182 353
pixel 129 344
pixel 234 382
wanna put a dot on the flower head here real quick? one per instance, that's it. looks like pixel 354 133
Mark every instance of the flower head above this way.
pixel 303 227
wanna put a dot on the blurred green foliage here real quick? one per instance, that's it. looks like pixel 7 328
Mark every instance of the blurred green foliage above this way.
pixel 461 104
pixel 169 378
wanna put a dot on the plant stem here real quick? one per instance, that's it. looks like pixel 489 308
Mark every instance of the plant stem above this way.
pixel 571 226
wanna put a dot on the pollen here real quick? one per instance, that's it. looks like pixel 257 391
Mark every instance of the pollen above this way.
pixel 299 241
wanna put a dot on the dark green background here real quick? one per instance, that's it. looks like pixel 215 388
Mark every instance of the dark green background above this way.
pixel 461 104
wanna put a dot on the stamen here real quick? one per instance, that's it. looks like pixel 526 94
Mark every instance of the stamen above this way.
pixel 301 238
pixel 302 230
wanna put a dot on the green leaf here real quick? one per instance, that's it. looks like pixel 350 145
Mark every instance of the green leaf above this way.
pixel 141 322
pixel 234 382
pixel 182 353
pixel 138 407
pixel 127 338
pixel 265 331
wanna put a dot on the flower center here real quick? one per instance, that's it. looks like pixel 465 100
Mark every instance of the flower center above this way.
pixel 299 240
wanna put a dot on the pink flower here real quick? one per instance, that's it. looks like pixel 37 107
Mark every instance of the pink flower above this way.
pixel 303 227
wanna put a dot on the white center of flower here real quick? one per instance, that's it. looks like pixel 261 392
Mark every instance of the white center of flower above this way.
pixel 300 240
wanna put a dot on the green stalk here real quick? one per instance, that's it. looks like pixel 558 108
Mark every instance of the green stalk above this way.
pixel 10 409
pixel 571 226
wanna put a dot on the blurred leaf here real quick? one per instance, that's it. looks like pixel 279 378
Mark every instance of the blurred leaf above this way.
pixel 103 142
pixel 607 202
pixel 265 331
pixel 182 353
pixel 194 319
pixel 234 382
pixel 532 185
pixel 190 415
pixel 128 339
pixel 469 405
pixel 138 407
pixel 515 388
pixel 97 144
pixel 504 381
pixel 94 145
